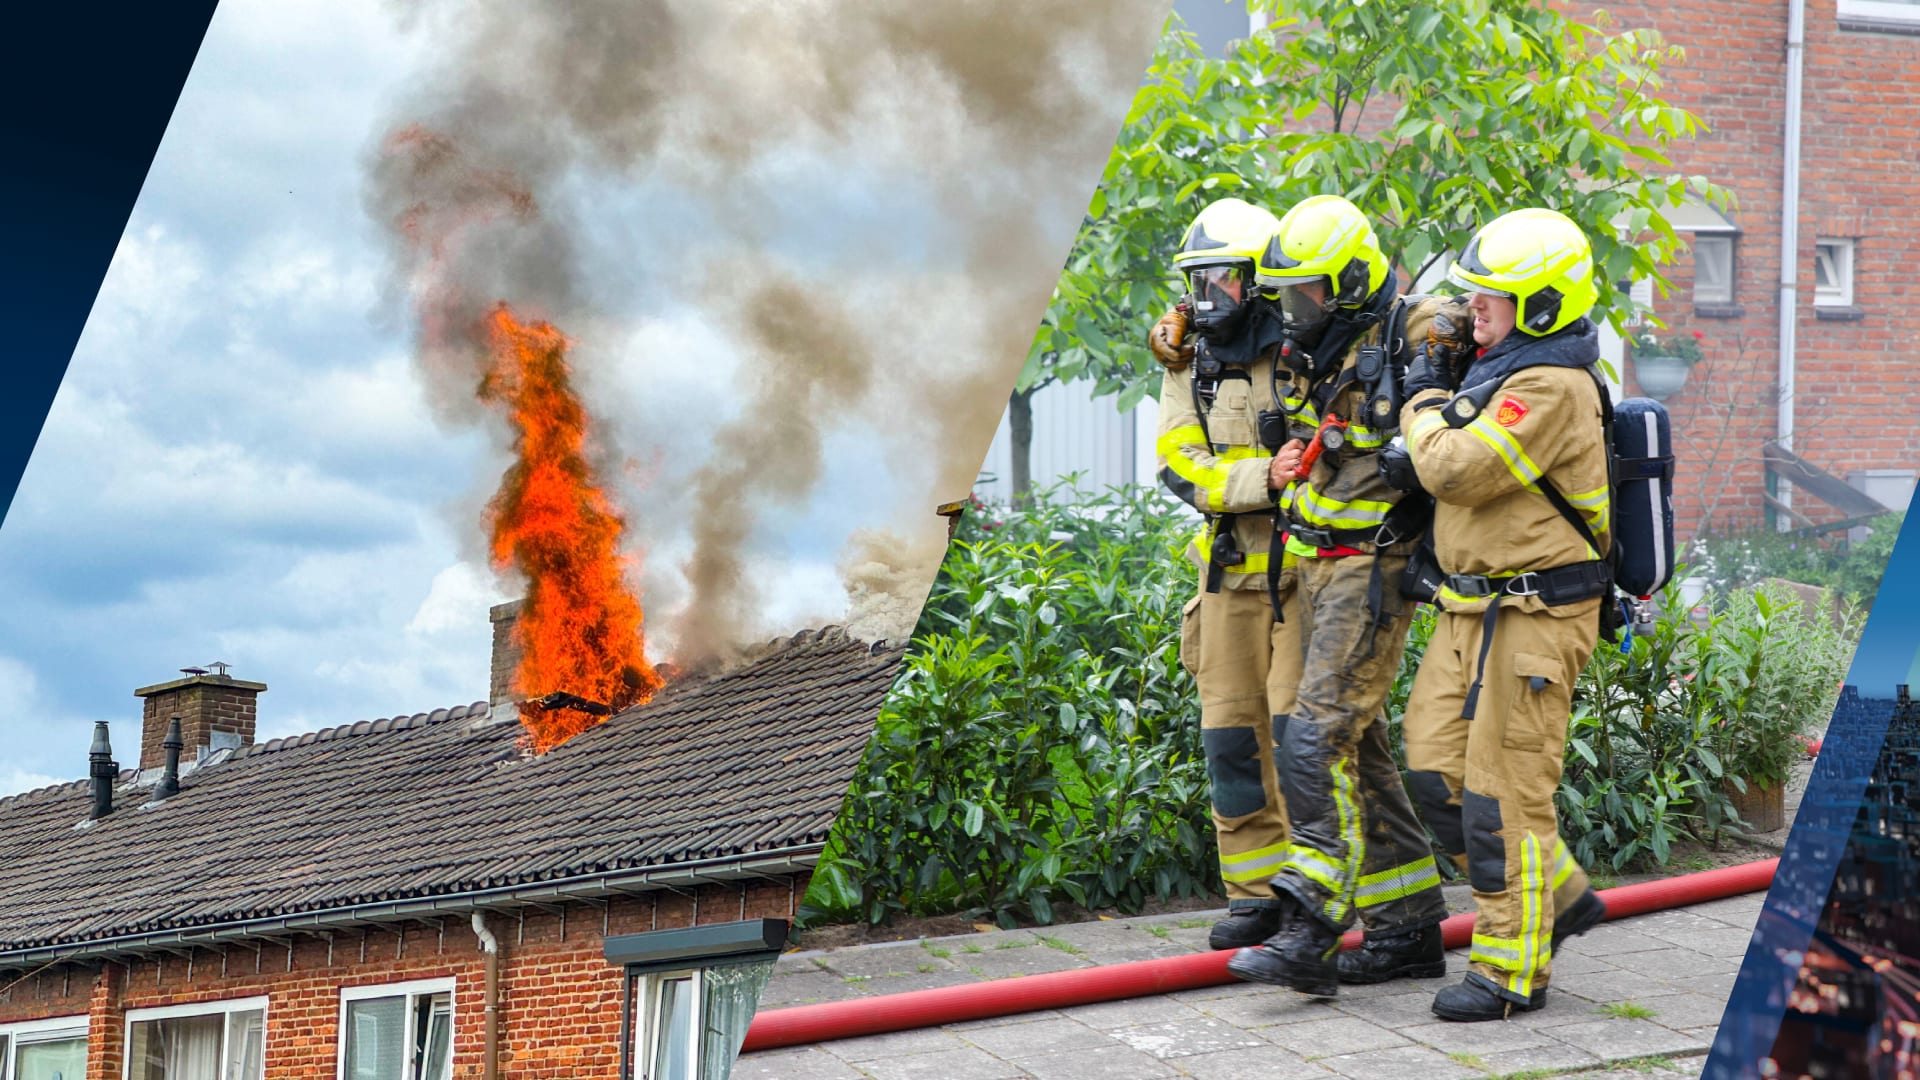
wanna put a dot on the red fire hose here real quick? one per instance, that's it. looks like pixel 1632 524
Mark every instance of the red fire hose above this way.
pixel 803 1025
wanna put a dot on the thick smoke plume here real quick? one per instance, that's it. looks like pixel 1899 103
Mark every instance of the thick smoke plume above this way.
pixel 985 120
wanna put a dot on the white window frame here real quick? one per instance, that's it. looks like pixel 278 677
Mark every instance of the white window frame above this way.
pixel 28 1032
pixel 225 1008
pixel 1872 14
pixel 1840 295
pixel 1729 238
pixel 414 988
pixel 646 1027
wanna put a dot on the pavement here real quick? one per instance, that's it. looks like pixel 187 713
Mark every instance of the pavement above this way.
pixel 1639 996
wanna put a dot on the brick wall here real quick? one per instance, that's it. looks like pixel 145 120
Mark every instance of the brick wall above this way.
pixel 203 703
pixel 1856 397
pixel 560 999
pixel 1856 393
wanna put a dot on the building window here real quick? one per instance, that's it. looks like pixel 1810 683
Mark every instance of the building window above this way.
pixel 44 1050
pixel 1832 273
pixel 1713 270
pixel 690 995
pixel 1894 16
pixel 403 1031
pixel 687 1024
pixel 217 1040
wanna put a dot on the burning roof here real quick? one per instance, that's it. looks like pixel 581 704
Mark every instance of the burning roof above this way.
pixel 712 777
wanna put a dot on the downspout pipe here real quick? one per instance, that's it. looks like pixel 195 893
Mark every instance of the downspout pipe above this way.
pixel 807 1024
pixel 490 947
pixel 1790 232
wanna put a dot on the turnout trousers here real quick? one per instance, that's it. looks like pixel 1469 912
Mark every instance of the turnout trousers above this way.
pixel 1247 666
pixel 1485 785
pixel 1357 849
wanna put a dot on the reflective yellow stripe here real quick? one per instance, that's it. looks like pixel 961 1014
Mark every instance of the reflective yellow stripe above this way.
pixel 1507 447
pixel 1367 438
pixel 1210 479
pixel 1401 881
pixel 1503 953
pixel 1594 504
pixel 1426 421
pixel 1533 891
pixel 1301 411
pixel 1256 561
pixel 1350 832
pixel 1257 865
pixel 1563 863
pixel 1316 509
pixel 1313 866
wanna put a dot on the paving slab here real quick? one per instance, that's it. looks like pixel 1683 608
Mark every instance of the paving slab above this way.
pixel 1679 966
pixel 1181 1038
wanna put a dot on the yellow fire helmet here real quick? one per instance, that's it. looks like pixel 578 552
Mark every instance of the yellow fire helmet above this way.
pixel 1326 245
pixel 1540 260
pixel 1216 260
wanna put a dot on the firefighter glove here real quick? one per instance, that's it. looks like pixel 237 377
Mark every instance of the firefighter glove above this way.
pixel 1168 340
pixel 1428 371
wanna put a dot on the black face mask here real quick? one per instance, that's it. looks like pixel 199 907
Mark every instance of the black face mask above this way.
pixel 1306 318
pixel 1260 328
pixel 1222 298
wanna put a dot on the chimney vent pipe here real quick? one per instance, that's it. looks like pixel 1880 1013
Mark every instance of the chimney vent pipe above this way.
pixel 170 777
pixel 102 770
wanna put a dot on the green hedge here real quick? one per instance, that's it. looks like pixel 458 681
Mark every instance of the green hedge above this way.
pixel 1042 743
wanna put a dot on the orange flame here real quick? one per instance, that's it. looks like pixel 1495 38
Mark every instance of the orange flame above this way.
pixel 580 630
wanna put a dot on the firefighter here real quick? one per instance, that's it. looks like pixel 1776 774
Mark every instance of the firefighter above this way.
pixel 1244 660
pixel 1357 850
pixel 1513 448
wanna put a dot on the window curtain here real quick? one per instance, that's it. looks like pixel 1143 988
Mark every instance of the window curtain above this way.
pixel 63 1060
pixel 732 993
pixel 191 1045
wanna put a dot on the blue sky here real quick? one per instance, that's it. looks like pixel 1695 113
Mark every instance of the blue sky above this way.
pixel 242 463
pixel 1890 643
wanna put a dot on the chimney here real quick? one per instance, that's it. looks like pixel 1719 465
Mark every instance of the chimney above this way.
pixel 1901 693
pixel 215 710
pixel 502 704
pixel 102 770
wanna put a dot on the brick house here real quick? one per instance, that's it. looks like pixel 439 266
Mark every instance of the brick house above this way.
pixel 1855 326
pixel 413 898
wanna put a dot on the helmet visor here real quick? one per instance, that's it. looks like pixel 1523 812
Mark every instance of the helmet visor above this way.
pixel 1219 293
pixel 1306 306
pixel 1459 276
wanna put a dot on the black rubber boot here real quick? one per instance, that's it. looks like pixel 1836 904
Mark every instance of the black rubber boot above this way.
pixel 1244 927
pixel 1412 954
pixel 1299 957
pixel 1474 1000
pixel 1581 916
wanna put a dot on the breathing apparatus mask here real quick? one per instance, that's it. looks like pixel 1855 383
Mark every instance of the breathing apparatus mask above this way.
pixel 1221 297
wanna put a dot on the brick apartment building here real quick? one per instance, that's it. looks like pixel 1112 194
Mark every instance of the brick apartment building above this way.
pixel 414 899
pixel 1855 401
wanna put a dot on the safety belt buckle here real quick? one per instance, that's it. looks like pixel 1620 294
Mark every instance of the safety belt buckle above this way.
pixel 1319 538
pixel 1471 586
pixel 1527 584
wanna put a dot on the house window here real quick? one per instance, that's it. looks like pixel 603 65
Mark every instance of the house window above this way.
pixel 1713 270
pixel 688 1023
pixel 690 995
pixel 1894 16
pixel 44 1050
pixel 1832 273
pixel 403 1031
pixel 219 1040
